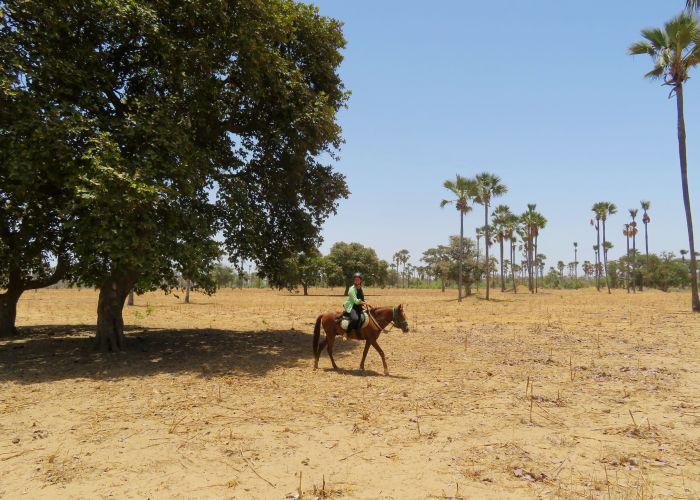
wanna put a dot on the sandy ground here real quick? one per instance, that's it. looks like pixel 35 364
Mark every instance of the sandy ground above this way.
pixel 563 394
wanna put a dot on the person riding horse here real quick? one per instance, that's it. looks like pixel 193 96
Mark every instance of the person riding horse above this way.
pixel 353 306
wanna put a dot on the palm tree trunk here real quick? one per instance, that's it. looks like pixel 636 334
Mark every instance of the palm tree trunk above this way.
pixel 503 282
pixel 461 254
pixel 634 259
pixel 646 241
pixel 487 238
pixel 512 262
pixel 605 260
pixel 535 258
pixel 628 264
pixel 597 256
pixel 695 300
pixel 530 265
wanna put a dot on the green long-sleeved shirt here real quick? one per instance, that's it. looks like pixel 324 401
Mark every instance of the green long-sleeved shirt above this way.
pixel 352 299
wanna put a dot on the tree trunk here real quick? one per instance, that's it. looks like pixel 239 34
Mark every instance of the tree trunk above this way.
pixel 695 300
pixel 110 323
pixel 130 301
pixel 188 285
pixel 306 288
pixel 503 282
pixel 628 264
pixel 605 259
pixel 487 239
pixel 537 264
pixel 347 289
pixel 597 256
pixel 16 286
pixel 461 255
pixel 512 262
pixel 8 312
pixel 442 280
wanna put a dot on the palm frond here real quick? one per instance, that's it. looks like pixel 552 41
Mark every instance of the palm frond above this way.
pixel 657 37
pixel 656 73
pixel 641 48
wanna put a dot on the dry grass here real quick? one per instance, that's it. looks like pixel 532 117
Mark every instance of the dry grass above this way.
pixel 565 394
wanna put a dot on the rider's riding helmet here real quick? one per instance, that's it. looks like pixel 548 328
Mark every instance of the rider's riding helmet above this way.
pixel 358 275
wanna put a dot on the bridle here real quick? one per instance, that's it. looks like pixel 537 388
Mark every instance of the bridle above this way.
pixel 395 321
pixel 402 324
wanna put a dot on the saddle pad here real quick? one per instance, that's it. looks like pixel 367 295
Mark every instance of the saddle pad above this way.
pixel 346 321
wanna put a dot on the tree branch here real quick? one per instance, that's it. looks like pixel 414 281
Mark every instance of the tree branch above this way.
pixel 61 269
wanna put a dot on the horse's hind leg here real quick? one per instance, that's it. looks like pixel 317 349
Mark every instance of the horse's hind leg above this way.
pixel 364 355
pixel 317 354
pixel 381 353
pixel 331 340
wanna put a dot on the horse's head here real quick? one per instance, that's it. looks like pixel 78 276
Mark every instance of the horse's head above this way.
pixel 400 318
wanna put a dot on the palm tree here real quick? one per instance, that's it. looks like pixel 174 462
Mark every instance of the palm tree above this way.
pixel 403 257
pixel 576 261
pixel 646 220
pixel 464 190
pixel 501 217
pixel 595 222
pixel 633 230
pixel 488 186
pixel 587 269
pixel 602 210
pixel 626 233
pixel 683 254
pixel 675 49
pixel 510 233
pixel 531 222
pixel 478 233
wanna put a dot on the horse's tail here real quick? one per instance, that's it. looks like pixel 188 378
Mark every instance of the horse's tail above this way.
pixel 317 333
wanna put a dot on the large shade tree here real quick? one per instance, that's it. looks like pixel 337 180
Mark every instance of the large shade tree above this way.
pixel 346 259
pixel 463 191
pixel 192 118
pixel 674 50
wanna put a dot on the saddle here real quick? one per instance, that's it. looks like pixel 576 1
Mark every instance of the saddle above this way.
pixel 344 320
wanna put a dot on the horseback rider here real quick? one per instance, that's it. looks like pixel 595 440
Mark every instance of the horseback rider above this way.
pixel 353 306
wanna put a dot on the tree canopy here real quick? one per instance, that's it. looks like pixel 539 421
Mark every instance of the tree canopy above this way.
pixel 171 123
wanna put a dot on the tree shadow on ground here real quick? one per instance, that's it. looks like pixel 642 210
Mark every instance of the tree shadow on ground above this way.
pixel 59 352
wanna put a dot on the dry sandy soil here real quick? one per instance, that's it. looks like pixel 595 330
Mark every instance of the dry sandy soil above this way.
pixel 562 394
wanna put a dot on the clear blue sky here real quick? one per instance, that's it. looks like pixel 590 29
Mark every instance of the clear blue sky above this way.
pixel 541 93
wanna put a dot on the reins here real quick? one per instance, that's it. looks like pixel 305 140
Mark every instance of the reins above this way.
pixel 376 323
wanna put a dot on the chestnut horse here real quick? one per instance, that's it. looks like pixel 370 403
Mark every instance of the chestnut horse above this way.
pixel 379 319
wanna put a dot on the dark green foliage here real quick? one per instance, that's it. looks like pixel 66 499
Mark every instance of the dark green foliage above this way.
pixel 665 273
pixel 346 259
pixel 304 268
pixel 163 124
pixel 443 262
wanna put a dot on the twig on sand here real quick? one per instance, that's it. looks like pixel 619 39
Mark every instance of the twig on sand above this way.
pixel 351 455
pixel 253 468
pixel 633 421
pixel 19 453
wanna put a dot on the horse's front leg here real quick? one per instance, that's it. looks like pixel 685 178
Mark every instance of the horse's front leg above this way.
pixel 381 353
pixel 364 355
